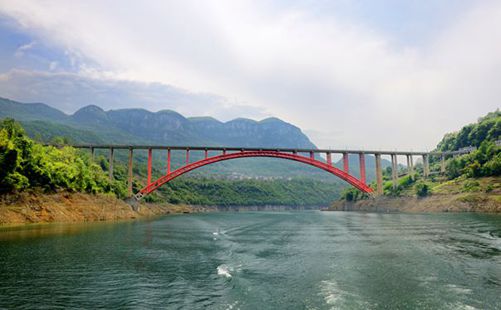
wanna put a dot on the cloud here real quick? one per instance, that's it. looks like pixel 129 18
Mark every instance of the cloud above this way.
pixel 336 77
pixel 23 48
pixel 71 91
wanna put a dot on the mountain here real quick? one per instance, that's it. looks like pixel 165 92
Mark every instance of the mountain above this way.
pixel 130 126
pixel 91 124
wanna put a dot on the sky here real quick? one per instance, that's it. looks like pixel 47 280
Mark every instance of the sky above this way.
pixel 366 74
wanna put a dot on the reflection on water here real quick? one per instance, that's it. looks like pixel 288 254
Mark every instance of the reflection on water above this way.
pixel 257 260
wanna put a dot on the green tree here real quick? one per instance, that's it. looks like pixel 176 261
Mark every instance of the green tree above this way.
pixel 422 189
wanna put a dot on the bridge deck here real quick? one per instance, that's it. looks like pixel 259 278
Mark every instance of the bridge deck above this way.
pixel 288 150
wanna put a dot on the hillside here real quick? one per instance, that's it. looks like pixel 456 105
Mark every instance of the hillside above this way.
pixel 487 128
pixel 471 182
pixel 91 124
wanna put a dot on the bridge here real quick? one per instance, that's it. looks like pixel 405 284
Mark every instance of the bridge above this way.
pixel 319 158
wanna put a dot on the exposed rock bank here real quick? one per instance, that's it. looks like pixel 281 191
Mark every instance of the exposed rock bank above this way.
pixel 470 202
pixel 32 207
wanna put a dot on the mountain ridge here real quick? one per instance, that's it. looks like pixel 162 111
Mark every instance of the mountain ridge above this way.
pixel 164 126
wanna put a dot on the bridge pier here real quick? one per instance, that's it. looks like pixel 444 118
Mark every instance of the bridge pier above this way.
pixel 426 166
pixel 110 170
pixel 379 174
pixel 442 163
pixel 346 163
pixel 410 164
pixel 92 153
pixel 361 160
pixel 394 170
pixel 187 156
pixel 168 161
pixel 150 155
pixel 329 158
pixel 129 178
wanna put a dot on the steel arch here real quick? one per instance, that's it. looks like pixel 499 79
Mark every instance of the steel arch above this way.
pixel 245 154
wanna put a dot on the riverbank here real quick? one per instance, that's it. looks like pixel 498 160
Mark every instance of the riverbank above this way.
pixel 35 207
pixel 481 195
pixel 482 203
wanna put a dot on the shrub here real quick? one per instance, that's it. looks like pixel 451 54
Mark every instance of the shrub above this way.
pixel 26 164
pixel 422 189
pixel 471 186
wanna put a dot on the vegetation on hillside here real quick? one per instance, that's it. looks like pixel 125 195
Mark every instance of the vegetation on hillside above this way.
pixel 488 128
pixel 26 164
pixel 484 161
pixel 251 192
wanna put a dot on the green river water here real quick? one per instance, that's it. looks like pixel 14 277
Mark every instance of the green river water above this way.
pixel 257 260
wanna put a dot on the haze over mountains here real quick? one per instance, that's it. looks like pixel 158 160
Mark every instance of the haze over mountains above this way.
pixel 131 126
pixel 91 124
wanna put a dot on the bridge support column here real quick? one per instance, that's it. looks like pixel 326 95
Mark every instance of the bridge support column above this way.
pixel 329 158
pixel 442 163
pixel 361 161
pixel 92 153
pixel 410 164
pixel 150 155
pixel 129 179
pixel 168 161
pixel 426 164
pixel 206 154
pixel 379 174
pixel 110 170
pixel 187 156
pixel 394 170
pixel 346 163
pixel 312 155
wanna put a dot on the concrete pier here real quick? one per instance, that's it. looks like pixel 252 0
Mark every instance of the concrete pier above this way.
pixel 379 174
pixel 110 170
pixel 150 158
pixel 394 170
pixel 361 162
pixel 129 178
pixel 426 165
pixel 410 164
pixel 442 163
pixel 346 163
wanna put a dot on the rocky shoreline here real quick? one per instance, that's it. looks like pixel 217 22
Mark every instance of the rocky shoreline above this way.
pixel 33 207
pixel 471 202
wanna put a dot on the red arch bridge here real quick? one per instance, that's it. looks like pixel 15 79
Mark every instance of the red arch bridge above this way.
pixel 305 156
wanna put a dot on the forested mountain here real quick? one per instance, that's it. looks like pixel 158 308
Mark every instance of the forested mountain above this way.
pixel 165 127
pixel 91 124
pixel 488 128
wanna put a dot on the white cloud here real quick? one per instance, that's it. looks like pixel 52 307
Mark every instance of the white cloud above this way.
pixel 23 48
pixel 335 77
pixel 70 91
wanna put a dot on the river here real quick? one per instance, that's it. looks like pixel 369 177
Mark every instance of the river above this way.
pixel 257 260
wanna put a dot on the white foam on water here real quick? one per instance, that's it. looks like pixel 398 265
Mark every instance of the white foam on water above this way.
pixel 457 289
pixel 460 306
pixel 232 306
pixel 337 298
pixel 224 270
pixel 330 292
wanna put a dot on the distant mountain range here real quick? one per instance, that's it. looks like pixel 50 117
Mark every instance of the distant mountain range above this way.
pixel 166 127
pixel 91 124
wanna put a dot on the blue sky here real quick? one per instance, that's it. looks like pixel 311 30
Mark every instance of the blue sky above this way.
pixel 365 74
